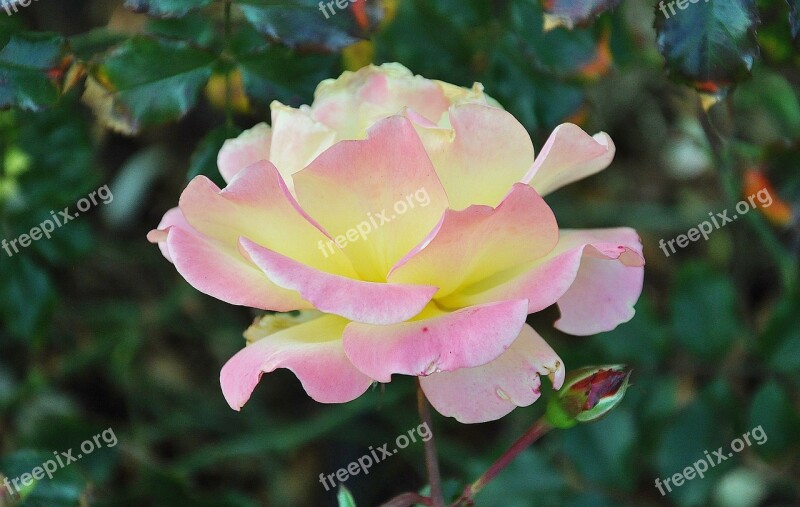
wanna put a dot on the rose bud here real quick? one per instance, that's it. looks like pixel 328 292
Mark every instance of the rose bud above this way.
pixel 588 394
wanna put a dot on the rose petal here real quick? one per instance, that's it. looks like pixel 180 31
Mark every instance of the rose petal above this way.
pixel 600 269
pixel 356 100
pixel 570 154
pixel 484 153
pixel 258 205
pixel 250 147
pixel 604 292
pixel 479 242
pixel 311 350
pixel 491 391
pixel 457 95
pixel 297 139
pixel 447 341
pixel 158 235
pixel 370 302
pixel 384 186
pixel 218 270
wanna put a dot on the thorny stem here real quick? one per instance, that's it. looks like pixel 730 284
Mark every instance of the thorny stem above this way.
pixel 533 434
pixel 431 460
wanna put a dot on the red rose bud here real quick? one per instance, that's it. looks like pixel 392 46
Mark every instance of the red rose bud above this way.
pixel 588 394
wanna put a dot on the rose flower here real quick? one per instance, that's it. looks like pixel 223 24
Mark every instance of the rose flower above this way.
pixel 405 217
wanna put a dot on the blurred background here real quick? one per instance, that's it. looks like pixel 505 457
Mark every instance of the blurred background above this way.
pixel 98 331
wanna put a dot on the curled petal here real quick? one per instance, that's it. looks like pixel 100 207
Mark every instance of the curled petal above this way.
pixel 604 292
pixel 370 302
pixel 158 235
pixel 570 154
pixel 447 341
pixel 251 146
pixel 489 392
pixel 595 276
pixel 311 350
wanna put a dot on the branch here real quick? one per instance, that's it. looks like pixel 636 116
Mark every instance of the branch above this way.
pixel 431 461
pixel 533 434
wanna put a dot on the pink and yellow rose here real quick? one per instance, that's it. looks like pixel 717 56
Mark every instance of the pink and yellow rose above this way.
pixel 442 291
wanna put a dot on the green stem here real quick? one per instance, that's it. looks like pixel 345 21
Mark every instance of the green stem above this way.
pixel 431 460
pixel 721 149
pixel 227 51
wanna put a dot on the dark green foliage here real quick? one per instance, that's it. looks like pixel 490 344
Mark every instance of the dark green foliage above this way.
pixel 301 23
pixel 704 309
pixel 709 44
pixel 151 81
pixel 32 68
